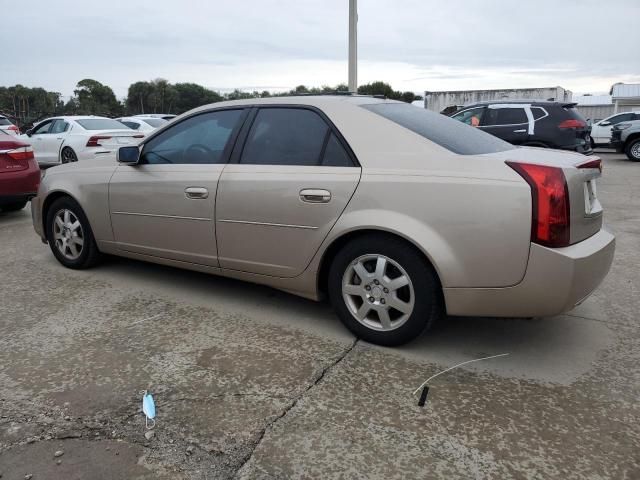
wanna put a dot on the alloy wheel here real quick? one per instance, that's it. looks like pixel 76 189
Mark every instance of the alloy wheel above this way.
pixel 635 150
pixel 68 156
pixel 378 292
pixel 68 234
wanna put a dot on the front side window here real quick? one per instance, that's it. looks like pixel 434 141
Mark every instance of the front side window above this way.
pixel 43 128
pixel 471 117
pixel 625 117
pixel 505 116
pixel 196 140
pixel 285 136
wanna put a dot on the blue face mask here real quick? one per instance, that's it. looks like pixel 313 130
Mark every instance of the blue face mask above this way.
pixel 149 409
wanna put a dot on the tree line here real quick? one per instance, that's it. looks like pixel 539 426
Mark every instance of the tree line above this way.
pixel 26 105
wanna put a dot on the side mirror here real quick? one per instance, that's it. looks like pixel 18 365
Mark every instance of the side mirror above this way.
pixel 29 132
pixel 605 124
pixel 129 155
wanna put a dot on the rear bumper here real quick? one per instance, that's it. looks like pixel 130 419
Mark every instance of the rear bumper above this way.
pixel 556 280
pixel 9 199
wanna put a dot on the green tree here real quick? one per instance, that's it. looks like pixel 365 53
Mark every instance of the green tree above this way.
pixel 95 98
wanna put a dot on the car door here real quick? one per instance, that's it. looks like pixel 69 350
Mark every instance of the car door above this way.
pixel 39 140
pixel 165 206
pixel 601 131
pixel 511 123
pixel 57 135
pixel 289 180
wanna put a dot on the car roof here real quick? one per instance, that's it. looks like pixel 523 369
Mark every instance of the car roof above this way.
pixel 307 100
pixel 524 102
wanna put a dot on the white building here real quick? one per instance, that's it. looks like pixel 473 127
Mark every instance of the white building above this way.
pixel 625 97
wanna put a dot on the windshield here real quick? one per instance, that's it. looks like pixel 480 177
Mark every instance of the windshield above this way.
pixel 446 132
pixel 101 124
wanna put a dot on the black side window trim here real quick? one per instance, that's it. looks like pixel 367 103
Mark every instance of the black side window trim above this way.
pixel 228 149
pixel 242 137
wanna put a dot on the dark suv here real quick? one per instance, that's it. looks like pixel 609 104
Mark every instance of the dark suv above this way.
pixel 531 123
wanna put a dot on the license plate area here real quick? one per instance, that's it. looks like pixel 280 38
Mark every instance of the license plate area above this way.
pixel 592 205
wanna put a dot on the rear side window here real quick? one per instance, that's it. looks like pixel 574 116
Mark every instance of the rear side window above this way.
pixel 451 134
pixel 335 155
pixel 538 113
pixel 505 116
pixel 100 124
pixel 285 136
pixel 59 126
pixel 5 121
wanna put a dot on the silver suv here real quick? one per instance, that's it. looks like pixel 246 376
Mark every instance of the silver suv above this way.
pixel 625 137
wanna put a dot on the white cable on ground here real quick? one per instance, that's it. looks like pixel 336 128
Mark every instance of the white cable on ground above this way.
pixel 456 366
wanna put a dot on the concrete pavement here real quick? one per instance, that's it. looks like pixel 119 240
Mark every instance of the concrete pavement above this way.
pixel 254 383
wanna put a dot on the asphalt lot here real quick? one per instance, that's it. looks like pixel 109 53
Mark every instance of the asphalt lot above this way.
pixel 250 382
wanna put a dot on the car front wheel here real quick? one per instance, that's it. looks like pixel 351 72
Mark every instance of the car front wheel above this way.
pixel 383 289
pixel 633 150
pixel 69 235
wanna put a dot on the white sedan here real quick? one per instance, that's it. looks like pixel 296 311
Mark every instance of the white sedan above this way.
pixel 74 138
pixel 143 124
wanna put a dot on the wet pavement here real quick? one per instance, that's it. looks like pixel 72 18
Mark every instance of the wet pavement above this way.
pixel 251 383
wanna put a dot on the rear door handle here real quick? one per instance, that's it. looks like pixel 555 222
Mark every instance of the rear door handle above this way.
pixel 314 195
pixel 523 130
pixel 198 193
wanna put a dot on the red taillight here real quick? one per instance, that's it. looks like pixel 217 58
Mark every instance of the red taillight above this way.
pixel 22 153
pixel 572 123
pixel 94 141
pixel 597 163
pixel 550 216
pixel 13 128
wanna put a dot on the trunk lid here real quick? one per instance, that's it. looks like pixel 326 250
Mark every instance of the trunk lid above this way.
pixel 14 156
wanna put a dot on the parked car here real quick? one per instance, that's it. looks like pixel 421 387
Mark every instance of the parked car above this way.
pixel 7 126
pixel 392 211
pixel 19 173
pixel 601 131
pixel 70 139
pixel 531 123
pixel 163 116
pixel 143 124
pixel 625 137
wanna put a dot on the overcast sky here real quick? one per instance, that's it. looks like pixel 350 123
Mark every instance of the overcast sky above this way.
pixel 581 45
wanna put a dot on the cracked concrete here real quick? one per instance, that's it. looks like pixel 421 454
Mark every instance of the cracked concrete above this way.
pixel 254 383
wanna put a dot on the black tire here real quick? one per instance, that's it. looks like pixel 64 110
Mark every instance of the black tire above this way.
pixel 13 207
pixel 426 289
pixel 632 150
pixel 89 255
pixel 68 155
pixel 593 144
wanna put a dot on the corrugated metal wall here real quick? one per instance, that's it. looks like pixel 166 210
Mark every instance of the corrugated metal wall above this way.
pixel 438 101
pixel 595 112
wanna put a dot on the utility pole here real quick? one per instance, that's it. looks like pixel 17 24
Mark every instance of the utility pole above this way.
pixel 353 46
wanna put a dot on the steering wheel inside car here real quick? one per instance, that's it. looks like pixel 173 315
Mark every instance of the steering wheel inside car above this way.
pixel 198 153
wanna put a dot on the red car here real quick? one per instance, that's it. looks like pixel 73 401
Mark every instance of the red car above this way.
pixel 19 173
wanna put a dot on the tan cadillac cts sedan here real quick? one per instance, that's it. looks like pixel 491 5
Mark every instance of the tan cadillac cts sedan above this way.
pixel 395 213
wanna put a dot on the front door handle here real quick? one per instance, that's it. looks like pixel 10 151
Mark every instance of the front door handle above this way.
pixel 523 130
pixel 314 195
pixel 198 193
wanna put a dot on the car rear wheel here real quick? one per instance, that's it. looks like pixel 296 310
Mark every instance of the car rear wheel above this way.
pixel 68 155
pixel 633 150
pixel 13 207
pixel 69 235
pixel 383 290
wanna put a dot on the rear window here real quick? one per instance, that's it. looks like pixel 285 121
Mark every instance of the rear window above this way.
pixel 100 124
pixel 444 131
pixel 5 121
pixel 155 122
